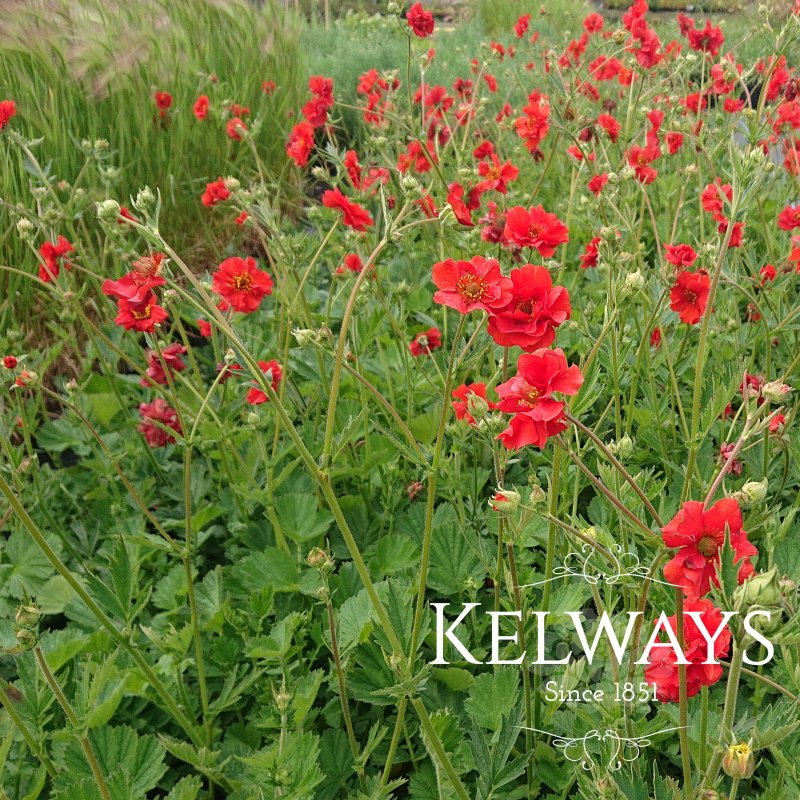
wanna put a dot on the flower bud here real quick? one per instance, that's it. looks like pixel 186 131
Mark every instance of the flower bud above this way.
pixel 739 761
pixel 762 589
pixel 477 406
pixel 634 282
pixel 619 36
pixel 145 201
pixel 775 391
pixel 28 615
pixel 754 491
pixel 282 699
pixel 108 211
pixel 319 559
pixel 305 336
pixel 25 228
pixel 505 502
pixel 537 495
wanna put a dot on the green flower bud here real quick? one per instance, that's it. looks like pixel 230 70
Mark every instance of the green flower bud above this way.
pixel 739 761
pixel 762 589
pixel 505 502
pixel 108 211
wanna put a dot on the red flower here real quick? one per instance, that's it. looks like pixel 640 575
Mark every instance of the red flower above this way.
pixel 496 175
pixel 593 23
pixel 706 40
pixel 655 338
pixel 591 254
pixel 420 21
pixel 274 373
pixel 455 198
pixel 535 310
pixel 9 362
pixel 663 668
pixel 355 217
pixel 8 109
pixel 533 127
pixel 674 142
pixel 469 285
pixel 139 282
pixel 163 103
pixel 681 255
pixel 597 182
pixel 242 218
pixel 170 357
pixel 521 25
pixel 140 316
pixel 54 256
pixel 204 326
pixel 461 403
pixel 156 417
pixel 768 273
pixel 789 218
pixel 726 450
pixel 777 423
pixel 689 296
pixel 234 128
pixel 535 228
pixel 301 141
pixel 640 159
pixel 216 192
pixel 609 125
pixel 700 533
pixel 268 87
pixel 424 342
pixel 241 284
pixel 200 108
pixel 712 198
pixel 529 396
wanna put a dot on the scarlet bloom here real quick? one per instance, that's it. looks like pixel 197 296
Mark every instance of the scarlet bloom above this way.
pixel 712 198
pixel 241 284
pixel 268 87
pixel 273 371
pixel 139 282
pixel 597 182
pixel 535 228
pixel 681 255
pixel 54 256
pixel 533 127
pixel 142 316
pixel 424 342
pixel 469 285
pixel 354 215
pixel 204 326
pixel 200 108
pixel 590 254
pixel 163 103
pixel 593 23
pixel 662 671
pixel 455 199
pixel 461 404
pixel 496 175
pixel 234 128
pixel 706 40
pixel 216 192
pixel 674 142
pixel 689 296
pixel 640 159
pixel 170 358
pixel 420 21
pixel 301 141
pixel 768 273
pixel 789 218
pixel 529 396
pixel 8 109
pixel 535 310
pixel 351 262
pixel 700 534
pixel 157 419
pixel 9 362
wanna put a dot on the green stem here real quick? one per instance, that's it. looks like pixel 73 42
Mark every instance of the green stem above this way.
pixel 683 700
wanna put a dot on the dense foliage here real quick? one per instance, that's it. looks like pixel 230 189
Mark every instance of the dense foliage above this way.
pixel 513 324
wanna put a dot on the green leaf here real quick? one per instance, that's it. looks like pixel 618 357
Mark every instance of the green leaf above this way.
pixel 186 789
pixel 492 696
pixel 273 569
pixel 25 567
pixel 455 565
pixel 353 621
pixel 300 518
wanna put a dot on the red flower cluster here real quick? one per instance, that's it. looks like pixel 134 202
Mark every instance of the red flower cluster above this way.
pixel 136 302
pixel 216 192
pixel 316 109
pixel 170 357
pixel 663 668
pixel 8 109
pixel 300 144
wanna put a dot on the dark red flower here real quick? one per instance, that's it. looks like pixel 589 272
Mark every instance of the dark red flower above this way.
pixel 535 228
pixel 420 21
pixel 157 420
pixel 597 182
pixel 529 396
pixel 535 310
pixel 469 285
pixel 354 215
pixel 241 284
pixel 274 373
pixel 689 296
pixel 699 534
pixel 163 103
pixel 424 342
pixel 9 362
pixel 170 357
